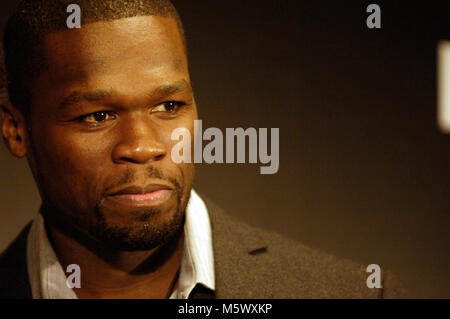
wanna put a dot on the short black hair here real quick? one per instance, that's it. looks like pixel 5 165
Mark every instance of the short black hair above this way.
pixel 34 19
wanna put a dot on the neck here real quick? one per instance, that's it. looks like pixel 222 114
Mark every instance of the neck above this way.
pixel 119 274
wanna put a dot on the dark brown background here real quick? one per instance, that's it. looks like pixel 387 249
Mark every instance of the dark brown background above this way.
pixel 363 168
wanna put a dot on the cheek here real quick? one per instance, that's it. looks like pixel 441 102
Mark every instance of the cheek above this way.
pixel 70 166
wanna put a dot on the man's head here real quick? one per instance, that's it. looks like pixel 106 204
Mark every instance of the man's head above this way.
pixel 93 110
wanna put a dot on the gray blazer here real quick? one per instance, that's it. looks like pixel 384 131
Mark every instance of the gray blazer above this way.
pixel 249 263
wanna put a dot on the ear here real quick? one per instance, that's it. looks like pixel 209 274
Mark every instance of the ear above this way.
pixel 13 129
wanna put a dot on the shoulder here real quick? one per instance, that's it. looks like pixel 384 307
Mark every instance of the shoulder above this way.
pixel 13 268
pixel 266 264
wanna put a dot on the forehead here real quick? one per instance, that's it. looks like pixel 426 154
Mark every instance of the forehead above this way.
pixel 150 43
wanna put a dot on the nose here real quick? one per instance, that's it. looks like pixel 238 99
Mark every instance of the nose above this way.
pixel 138 143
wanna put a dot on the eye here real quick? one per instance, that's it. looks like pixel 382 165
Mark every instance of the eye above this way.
pixel 169 107
pixel 97 117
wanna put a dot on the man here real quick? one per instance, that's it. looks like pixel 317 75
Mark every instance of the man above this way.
pixel 93 109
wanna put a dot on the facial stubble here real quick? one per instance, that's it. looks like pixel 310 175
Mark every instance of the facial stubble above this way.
pixel 143 233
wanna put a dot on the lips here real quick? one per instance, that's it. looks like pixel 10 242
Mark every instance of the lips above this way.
pixel 139 190
pixel 150 195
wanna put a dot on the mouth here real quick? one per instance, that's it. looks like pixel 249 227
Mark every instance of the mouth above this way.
pixel 150 195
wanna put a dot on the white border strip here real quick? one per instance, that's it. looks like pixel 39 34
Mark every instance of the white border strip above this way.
pixel 443 85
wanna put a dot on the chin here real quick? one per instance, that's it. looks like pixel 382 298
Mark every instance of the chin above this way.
pixel 138 228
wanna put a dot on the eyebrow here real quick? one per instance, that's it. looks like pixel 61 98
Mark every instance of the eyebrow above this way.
pixel 169 89
pixel 103 94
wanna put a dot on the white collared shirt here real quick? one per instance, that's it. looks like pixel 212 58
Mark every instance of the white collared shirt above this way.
pixel 48 279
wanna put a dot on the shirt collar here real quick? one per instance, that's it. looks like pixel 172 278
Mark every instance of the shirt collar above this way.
pixel 48 279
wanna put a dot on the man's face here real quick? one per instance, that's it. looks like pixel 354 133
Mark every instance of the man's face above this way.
pixel 100 131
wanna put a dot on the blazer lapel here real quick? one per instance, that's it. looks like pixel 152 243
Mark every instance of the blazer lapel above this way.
pixel 237 249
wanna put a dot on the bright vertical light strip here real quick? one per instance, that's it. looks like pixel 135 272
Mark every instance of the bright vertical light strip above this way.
pixel 443 77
